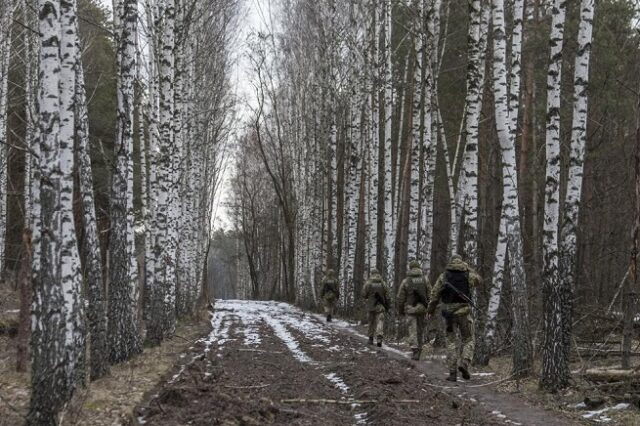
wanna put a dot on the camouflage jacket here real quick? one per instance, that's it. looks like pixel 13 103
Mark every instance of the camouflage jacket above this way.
pixel 330 288
pixel 436 293
pixel 376 294
pixel 410 300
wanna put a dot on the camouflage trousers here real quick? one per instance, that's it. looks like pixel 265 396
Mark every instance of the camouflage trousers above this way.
pixel 415 324
pixel 376 324
pixel 460 340
pixel 329 306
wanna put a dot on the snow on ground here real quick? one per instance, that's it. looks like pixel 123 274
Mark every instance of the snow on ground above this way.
pixel 287 338
pixel 217 331
pixel 338 383
pixel 281 318
pixel 598 416
pixel 361 418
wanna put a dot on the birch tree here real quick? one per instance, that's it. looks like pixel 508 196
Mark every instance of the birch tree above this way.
pixel 122 332
pixel 91 257
pixel 506 99
pixel 57 340
pixel 555 367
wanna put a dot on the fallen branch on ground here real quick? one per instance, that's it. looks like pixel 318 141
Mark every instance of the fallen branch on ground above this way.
pixel 248 387
pixel 610 375
pixel 346 401
pixel 260 351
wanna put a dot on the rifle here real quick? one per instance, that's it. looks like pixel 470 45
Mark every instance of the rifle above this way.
pixel 381 301
pixel 459 293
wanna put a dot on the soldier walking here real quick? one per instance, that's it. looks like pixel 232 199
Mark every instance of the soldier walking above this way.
pixel 413 298
pixel 376 295
pixel 330 293
pixel 454 290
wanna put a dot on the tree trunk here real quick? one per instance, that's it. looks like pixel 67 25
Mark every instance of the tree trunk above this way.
pixel 569 229
pixel 122 332
pixel 90 256
pixel 56 329
pixel 555 368
pixel 24 322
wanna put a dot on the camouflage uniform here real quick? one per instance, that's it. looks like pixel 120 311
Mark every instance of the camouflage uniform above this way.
pixel 330 293
pixel 376 294
pixel 457 315
pixel 413 297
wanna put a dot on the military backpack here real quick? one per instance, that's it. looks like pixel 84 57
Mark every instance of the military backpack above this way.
pixel 416 292
pixel 456 287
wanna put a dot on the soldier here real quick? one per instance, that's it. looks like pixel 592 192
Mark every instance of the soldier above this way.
pixel 376 294
pixel 330 293
pixel 413 298
pixel 453 289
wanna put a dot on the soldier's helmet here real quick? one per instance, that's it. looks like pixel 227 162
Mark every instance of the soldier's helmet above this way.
pixel 374 271
pixel 331 272
pixel 414 264
pixel 456 258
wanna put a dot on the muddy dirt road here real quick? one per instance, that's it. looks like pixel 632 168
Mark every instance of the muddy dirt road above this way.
pixel 270 363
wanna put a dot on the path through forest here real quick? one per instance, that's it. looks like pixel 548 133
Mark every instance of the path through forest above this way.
pixel 267 362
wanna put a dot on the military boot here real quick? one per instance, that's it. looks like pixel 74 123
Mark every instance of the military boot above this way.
pixel 371 340
pixel 329 318
pixel 380 342
pixel 416 354
pixel 453 376
pixel 464 370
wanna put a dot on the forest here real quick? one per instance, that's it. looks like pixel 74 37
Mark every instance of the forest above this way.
pixel 335 135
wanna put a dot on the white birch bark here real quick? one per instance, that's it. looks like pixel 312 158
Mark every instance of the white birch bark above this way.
pixel 57 321
pixel 475 86
pixel 122 332
pixel 70 270
pixel 150 165
pixel 389 211
pixel 163 309
pixel 91 257
pixel 414 202
pixel 374 149
pixel 510 236
pixel 569 229
pixel 430 37
pixel 555 372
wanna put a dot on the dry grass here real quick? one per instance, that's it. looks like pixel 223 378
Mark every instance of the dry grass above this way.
pixel 108 401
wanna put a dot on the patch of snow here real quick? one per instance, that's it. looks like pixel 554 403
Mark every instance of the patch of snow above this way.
pixel 618 407
pixel 498 414
pixel 287 338
pixel 483 374
pixel 141 420
pixel 178 374
pixel 313 330
pixel 338 382
pixel 361 418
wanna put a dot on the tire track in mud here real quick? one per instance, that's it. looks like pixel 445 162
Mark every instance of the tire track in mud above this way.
pixel 285 325
pixel 236 377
